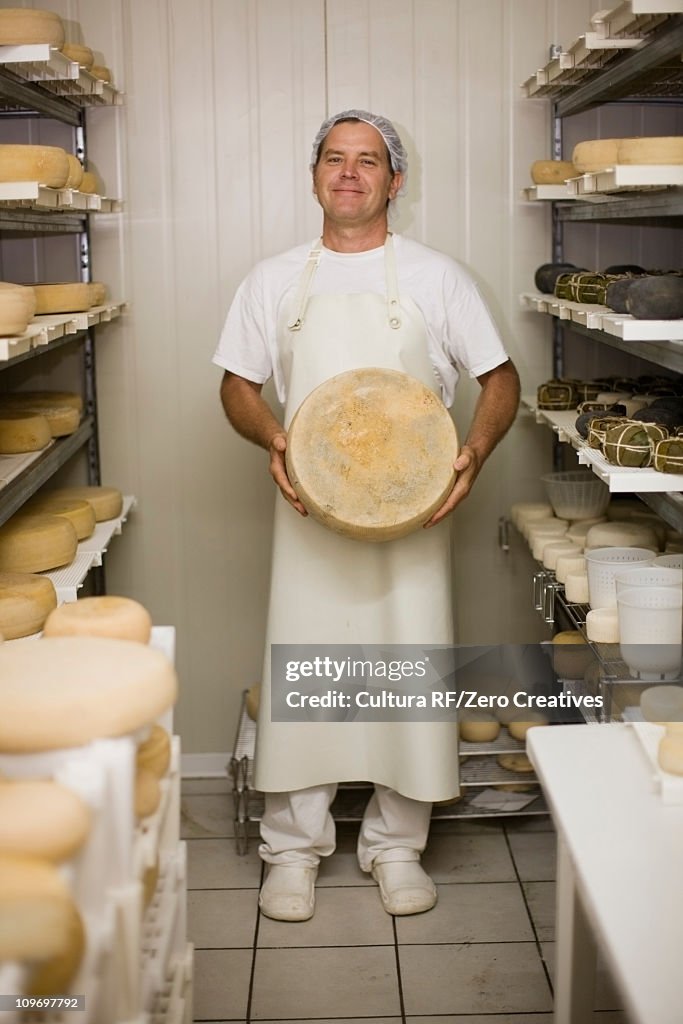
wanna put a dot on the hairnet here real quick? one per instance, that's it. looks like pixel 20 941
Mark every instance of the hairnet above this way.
pixel 398 158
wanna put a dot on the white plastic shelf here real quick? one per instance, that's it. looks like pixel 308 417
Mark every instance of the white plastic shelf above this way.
pixel 625 178
pixel 602 318
pixel 47 67
pixel 34 196
pixel 619 479
pixel 547 193
pixel 11 466
pixel 49 328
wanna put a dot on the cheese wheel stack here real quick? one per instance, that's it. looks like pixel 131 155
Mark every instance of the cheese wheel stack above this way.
pixel 107 502
pixel 42 818
pixel 26 600
pixel 20 26
pixel 107 616
pixel 79 513
pixel 62 418
pixel 36 543
pixel 17 307
pixel 48 165
pixel 33 399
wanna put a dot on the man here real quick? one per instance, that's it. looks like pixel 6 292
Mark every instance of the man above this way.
pixel 359 297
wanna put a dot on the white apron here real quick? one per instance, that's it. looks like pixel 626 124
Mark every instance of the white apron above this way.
pixel 330 589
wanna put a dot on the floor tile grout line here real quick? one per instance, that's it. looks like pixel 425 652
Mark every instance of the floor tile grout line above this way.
pixel 530 916
pixel 254 950
pixel 401 1001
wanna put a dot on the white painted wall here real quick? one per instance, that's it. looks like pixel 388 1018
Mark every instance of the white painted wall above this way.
pixel 222 100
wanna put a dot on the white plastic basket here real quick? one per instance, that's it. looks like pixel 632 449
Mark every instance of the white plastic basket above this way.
pixel 602 565
pixel 576 494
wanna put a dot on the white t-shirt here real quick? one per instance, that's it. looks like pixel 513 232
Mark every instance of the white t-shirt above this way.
pixel 461 332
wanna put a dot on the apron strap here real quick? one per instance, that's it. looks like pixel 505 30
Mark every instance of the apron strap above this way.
pixel 312 262
pixel 393 305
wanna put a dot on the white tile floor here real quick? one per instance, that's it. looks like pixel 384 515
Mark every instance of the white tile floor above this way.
pixel 483 955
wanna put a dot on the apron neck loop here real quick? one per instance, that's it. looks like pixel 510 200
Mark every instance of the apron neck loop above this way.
pixel 393 305
pixel 312 261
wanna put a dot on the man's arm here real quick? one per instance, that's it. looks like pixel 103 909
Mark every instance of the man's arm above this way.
pixel 493 416
pixel 252 417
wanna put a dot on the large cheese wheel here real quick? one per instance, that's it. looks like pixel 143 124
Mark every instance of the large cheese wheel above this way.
pixel 519 729
pixel 147 795
pixel 36 543
pixel 602 625
pixel 66 691
pixel 64 297
pixel 79 513
pixel 34 399
pixel 17 306
pixel 57 973
pixel 481 727
pixel 82 55
pixel 42 818
pixel 626 534
pixel 106 501
pixel 102 72
pixel 22 25
pixel 576 588
pixel 26 600
pixel 111 616
pixel 90 183
pixel 654 150
pixel 370 453
pixel 154 754
pixel 525 511
pixel 552 172
pixel 61 419
pixel 47 165
pixel 98 292
pixel 75 172
pixel 35 908
pixel 23 431
pixel 595 155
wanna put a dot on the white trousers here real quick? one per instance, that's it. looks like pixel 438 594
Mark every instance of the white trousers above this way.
pixel 297 827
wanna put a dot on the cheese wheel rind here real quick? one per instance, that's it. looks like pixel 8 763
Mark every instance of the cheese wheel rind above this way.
pixel 593 155
pixel 79 53
pixel 42 818
pixel 666 149
pixel 23 431
pixel 36 542
pixel 107 616
pixel 47 165
pixel 106 501
pixel 552 172
pixel 17 306
pixel 63 297
pixel 26 600
pixel 20 26
pixel 154 754
pixel 79 513
pixel 35 908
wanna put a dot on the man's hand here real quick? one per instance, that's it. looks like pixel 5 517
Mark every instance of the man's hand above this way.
pixel 278 471
pixel 467 466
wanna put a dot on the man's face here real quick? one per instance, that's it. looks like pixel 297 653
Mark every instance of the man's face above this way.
pixel 352 179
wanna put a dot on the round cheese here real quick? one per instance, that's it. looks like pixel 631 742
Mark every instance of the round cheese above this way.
pixel 42 818
pixel 548 527
pixel 518 730
pixel 106 501
pixel 26 600
pixel 252 701
pixel 571 654
pixel 567 564
pixel 36 543
pixel 47 165
pixel 654 150
pixel 61 419
pixel 35 399
pixel 576 587
pixel 109 615
pixel 57 973
pixel 602 625
pixel 23 25
pixel 90 183
pixel 577 531
pixel 65 297
pixel 517 762
pixel 23 432
pixel 98 292
pixel 82 55
pixel 670 754
pixel 147 795
pixel 626 534
pixel 17 306
pixel 552 172
pixel 35 908
pixel 79 513
pixel 555 549
pixel 154 754
pixel 102 72
pixel 479 728
pixel 75 172
pixel 595 155
pixel 61 692
pixel 525 511
pixel 662 703
pixel 370 454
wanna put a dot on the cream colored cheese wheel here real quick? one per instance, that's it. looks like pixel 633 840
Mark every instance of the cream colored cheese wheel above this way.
pixel 370 454
pixel 26 600
pixel 552 527
pixel 35 909
pixel 58 972
pixel 102 72
pixel 626 534
pixel 576 588
pixel 109 615
pixel 61 419
pixel 90 183
pixel 577 531
pixel 517 762
pixel 42 818
pixel 82 55
pixel 519 729
pixel 75 172
pixel 662 703
pixel 47 165
pixel 64 297
pixel 602 625
pixel 555 550
pixel 36 542
pixel 653 150
pixel 154 754
pixel 85 688
pixel 252 701
pixel 23 25
pixel 147 795
pixel 595 155
pixel 17 306
pixel 23 431
pixel 36 399
pixel 481 727
pixel 98 292
pixel 670 754
pixel 552 172
pixel 106 501
pixel 79 513
pixel 524 511
pixel 567 564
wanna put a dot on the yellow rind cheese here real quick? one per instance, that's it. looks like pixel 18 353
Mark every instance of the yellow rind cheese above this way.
pixel 63 297
pixel 56 974
pixel 102 72
pixel 26 600
pixel 83 55
pixel 35 908
pixel 594 155
pixel 23 432
pixel 42 818
pixel 80 513
pixel 90 183
pixel 663 149
pixel 106 501
pixel 36 542
pixel 106 616
pixel 22 25
pixel 34 399
pixel 47 165
pixel 17 306
pixel 154 754
pixel 147 795
pixel 552 172
pixel 75 172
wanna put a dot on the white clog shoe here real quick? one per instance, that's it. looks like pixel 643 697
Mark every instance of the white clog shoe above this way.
pixel 288 893
pixel 404 887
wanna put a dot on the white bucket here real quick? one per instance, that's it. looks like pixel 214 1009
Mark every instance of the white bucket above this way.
pixel 650 630
pixel 602 564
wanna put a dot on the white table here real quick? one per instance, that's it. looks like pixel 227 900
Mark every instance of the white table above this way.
pixel 619 872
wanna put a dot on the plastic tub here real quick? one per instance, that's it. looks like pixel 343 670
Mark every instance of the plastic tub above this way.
pixel 650 626
pixel 648 576
pixel 602 565
pixel 576 494
pixel 671 561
